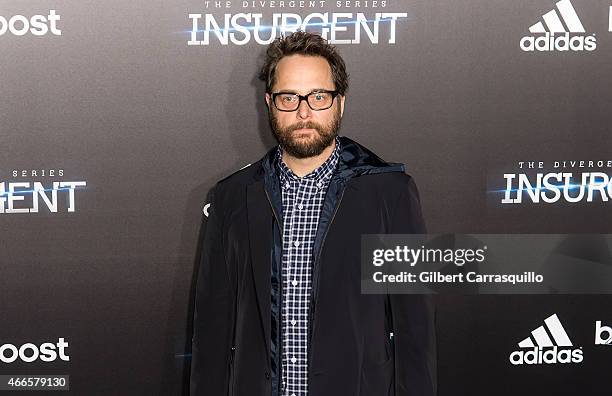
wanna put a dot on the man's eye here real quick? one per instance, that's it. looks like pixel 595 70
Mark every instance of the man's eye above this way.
pixel 320 96
pixel 288 98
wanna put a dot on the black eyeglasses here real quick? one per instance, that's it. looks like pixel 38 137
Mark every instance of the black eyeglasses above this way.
pixel 317 100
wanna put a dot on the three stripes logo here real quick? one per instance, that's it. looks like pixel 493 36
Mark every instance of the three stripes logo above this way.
pixel 552 345
pixel 559 33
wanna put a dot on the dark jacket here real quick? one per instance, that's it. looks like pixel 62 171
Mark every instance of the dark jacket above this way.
pixel 236 344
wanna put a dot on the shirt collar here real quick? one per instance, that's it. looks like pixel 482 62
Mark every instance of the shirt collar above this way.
pixel 323 172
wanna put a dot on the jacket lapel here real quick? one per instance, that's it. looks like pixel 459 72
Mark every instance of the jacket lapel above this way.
pixel 261 223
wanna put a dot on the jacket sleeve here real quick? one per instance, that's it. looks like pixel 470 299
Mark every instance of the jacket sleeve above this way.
pixel 413 315
pixel 212 313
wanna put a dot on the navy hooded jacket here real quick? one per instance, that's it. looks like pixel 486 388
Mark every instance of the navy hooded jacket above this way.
pixel 236 341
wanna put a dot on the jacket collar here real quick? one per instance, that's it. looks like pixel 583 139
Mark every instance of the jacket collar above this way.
pixel 322 173
pixel 355 160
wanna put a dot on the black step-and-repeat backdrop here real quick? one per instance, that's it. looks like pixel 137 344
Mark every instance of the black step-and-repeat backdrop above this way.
pixel 116 117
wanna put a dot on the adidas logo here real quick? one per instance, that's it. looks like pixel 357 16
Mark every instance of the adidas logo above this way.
pixel 559 35
pixel 546 350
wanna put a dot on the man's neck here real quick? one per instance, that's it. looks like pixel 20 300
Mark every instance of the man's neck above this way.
pixel 303 166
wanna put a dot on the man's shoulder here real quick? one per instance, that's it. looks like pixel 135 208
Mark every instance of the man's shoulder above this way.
pixel 386 179
pixel 240 178
pixel 249 173
pixel 246 174
pixel 226 192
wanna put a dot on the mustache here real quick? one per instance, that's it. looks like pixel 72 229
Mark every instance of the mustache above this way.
pixel 303 125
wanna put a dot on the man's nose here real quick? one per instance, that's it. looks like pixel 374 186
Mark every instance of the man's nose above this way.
pixel 303 110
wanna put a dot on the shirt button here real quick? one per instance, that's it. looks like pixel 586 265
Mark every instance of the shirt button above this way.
pixel 293 360
pixel 267 375
pixel 294 283
pixel 300 206
pixel 293 322
pixel 296 243
pixel 287 185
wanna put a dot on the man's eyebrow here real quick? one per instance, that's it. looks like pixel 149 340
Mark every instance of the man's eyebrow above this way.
pixel 296 92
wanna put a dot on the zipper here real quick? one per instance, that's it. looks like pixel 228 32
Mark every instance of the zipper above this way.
pixel 233 348
pixel 232 375
pixel 274 213
pixel 314 300
pixel 233 352
pixel 239 271
pixel 279 355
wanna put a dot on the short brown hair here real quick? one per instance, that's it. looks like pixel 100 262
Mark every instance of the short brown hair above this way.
pixel 303 43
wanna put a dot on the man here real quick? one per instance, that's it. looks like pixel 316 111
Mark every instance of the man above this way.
pixel 278 306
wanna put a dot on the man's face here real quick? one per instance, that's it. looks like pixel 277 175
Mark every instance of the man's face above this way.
pixel 304 132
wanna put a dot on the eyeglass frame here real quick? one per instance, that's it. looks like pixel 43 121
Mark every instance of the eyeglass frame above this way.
pixel 305 98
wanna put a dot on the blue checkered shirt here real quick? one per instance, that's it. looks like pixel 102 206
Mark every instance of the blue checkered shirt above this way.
pixel 302 202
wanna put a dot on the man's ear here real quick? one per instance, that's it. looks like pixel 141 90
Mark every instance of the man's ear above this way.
pixel 268 99
pixel 342 99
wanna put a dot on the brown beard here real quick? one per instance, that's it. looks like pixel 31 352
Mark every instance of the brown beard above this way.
pixel 324 137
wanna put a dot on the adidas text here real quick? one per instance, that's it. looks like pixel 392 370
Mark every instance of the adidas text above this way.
pixel 564 42
pixel 549 355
